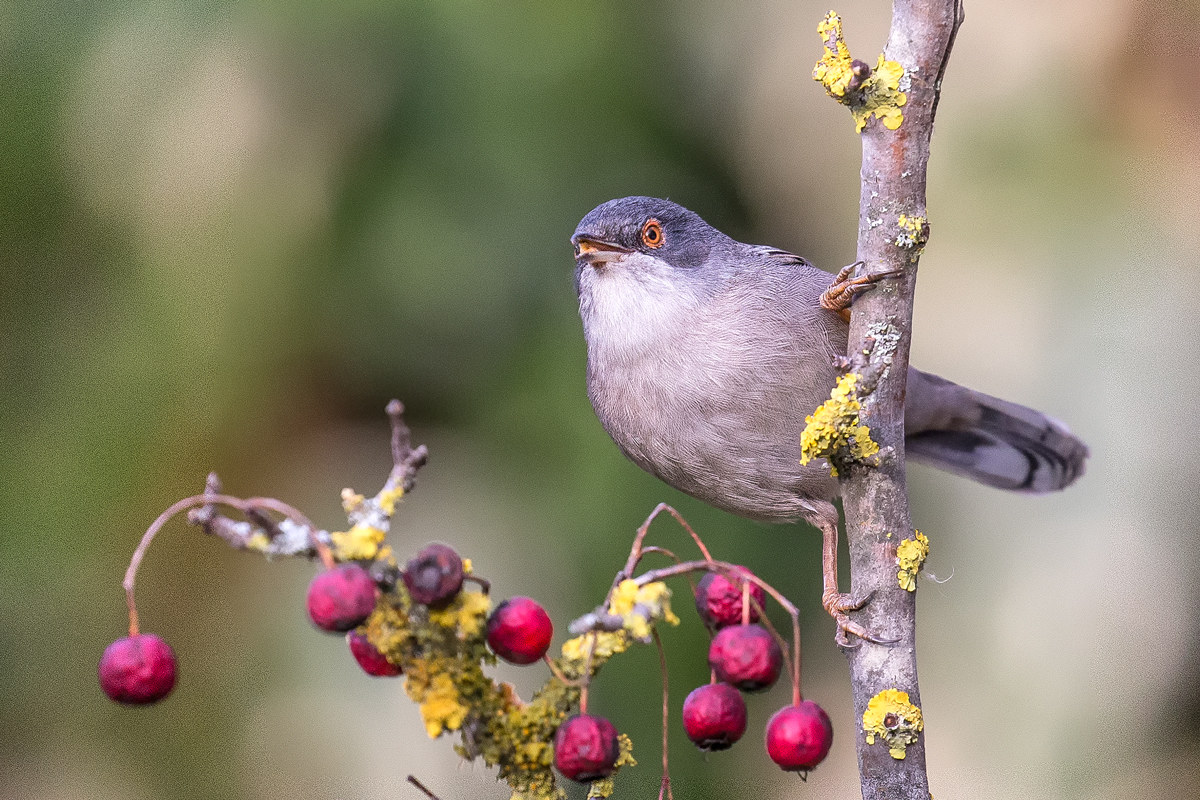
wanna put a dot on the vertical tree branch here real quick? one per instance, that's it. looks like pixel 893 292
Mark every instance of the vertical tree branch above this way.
pixel 891 232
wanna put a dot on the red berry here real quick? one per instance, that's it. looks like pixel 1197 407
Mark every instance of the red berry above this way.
pixel 799 737
pixel 341 598
pixel 714 716
pixel 719 599
pixel 434 576
pixel 585 748
pixel 369 658
pixel 137 670
pixel 519 630
pixel 746 656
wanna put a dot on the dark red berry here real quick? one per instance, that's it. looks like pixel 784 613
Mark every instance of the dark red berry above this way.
pixel 369 658
pixel 341 598
pixel 585 748
pixel 519 630
pixel 799 737
pixel 137 670
pixel 434 576
pixel 746 656
pixel 714 716
pixel 719 599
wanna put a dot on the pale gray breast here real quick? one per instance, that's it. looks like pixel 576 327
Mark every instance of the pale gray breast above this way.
pixel 710 394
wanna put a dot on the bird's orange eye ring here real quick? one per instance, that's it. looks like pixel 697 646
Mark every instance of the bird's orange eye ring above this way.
pixel 652 233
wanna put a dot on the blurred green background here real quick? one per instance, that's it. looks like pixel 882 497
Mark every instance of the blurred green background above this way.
pixel 231 231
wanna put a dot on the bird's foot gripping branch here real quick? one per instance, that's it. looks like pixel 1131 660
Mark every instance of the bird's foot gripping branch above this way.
pixel 432 622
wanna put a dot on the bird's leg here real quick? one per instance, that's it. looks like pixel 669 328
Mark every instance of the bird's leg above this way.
pixel 847 285
pixel 835 602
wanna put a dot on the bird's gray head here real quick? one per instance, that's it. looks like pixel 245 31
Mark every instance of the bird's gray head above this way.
pixel 642 265
pixel 643 235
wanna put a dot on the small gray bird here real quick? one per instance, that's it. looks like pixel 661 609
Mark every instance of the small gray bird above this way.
pixel 704 355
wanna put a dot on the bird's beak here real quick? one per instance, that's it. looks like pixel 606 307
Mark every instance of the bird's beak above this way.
pixel 596 252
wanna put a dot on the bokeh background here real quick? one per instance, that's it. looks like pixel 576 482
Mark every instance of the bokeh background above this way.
pixel 231 231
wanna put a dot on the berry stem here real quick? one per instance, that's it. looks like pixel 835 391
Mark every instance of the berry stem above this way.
pixel 791 662
pixel 664 551
pixel 246 507
pixel 635 552
pixel 666 716
pixel 587 674
pixel 746 603
pixel 484 584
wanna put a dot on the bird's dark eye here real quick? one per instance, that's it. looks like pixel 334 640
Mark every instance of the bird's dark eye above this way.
pixel 652 233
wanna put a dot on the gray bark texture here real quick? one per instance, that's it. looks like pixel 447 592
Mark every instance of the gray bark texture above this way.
pixel 875 498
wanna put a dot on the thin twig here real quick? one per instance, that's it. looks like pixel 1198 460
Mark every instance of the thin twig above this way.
pixel 423 788
pixel 406 459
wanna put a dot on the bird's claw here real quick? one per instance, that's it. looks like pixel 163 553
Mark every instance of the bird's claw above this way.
pixel 837 604
pixel 846 286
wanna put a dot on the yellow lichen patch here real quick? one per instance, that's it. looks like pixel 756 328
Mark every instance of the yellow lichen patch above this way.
pixel 624 597
pixel 640 609
pixel 519 740
pixel 914 232
pixel 360 543
pixel 388 498
pixel 605 646
pixel 910 556
pixel 387 629
pixel 869 93
pixel 466 614
pixel 833 70
pixel 642 606
pixel 833 431
pixel 891 717
pixel 258 542
pixel 882 97
pixel 530 731
pixel 442 709
pixel 430 683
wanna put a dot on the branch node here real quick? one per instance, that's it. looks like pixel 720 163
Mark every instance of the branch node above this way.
pixel 878 93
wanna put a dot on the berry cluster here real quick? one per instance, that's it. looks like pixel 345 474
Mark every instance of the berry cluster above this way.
pixel 418 621
pixel 745 656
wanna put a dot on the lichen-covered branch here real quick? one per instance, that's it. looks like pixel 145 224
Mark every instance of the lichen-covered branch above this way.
pixel 420 622
pixel 893 107
pixel 370 517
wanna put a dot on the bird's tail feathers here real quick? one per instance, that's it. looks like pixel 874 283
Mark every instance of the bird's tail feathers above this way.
pixel 999 443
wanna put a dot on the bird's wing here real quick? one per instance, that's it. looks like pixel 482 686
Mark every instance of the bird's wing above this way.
pixel 781 256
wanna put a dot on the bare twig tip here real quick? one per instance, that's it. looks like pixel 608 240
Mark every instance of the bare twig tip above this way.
pixel 423 789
